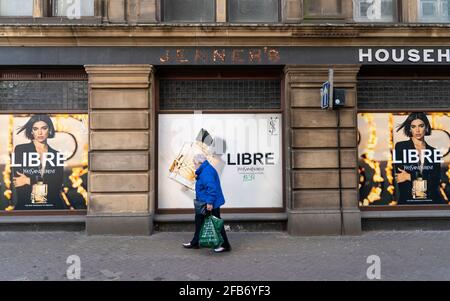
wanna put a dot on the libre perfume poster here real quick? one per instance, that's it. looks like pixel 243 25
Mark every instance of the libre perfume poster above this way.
pixel 245 149
pixel 44 162
pixel 404 158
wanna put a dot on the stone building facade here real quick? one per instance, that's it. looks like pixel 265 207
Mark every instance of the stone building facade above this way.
pixel 126 50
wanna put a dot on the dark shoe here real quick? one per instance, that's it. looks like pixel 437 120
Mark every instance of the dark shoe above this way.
pixel 222 249
pixel 190 246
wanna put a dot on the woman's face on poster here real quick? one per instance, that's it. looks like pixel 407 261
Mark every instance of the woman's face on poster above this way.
pixel 40 131
pixel 418 129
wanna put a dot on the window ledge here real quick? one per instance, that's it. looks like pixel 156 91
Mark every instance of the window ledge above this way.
pixel 307 24
pixel 405 214
pixel 44 219
pixel 49 20
pixel 228 217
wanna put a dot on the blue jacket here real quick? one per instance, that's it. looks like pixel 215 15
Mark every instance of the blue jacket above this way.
pixel 207 186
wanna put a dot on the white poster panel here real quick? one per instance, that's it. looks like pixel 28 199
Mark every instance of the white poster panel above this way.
pixel 245 149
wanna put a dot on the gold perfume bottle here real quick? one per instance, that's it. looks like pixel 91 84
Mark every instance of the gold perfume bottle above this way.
pixel 39 193
pixel 419 188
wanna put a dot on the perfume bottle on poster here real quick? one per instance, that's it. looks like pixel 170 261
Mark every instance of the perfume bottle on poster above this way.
pixel 419 187
pixel 182 168
pixel 39 192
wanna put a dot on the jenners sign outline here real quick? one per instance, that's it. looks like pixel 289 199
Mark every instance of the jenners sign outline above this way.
pixel 217 56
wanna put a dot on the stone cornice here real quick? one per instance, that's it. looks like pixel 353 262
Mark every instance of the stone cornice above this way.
pixel 118 76
pixel 225 35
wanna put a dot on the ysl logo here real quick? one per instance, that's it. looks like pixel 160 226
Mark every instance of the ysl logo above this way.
pixel 273 125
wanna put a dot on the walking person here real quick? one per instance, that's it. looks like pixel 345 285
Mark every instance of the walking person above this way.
pixel 208 190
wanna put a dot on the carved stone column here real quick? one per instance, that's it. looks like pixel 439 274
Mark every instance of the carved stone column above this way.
pixel 39 8
pixel 115 11
pixel 314 197
pixel 121 150
pixel 221 11
pixel 141 11
pixel 292 11
pixel 409 11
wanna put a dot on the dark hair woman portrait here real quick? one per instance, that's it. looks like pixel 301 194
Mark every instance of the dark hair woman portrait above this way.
pixel 417 172
pixel 37 168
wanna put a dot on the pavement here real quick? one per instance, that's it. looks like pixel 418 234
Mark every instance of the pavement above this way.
pixel 256 256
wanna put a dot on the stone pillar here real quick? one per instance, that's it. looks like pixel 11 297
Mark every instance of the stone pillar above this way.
pixel 314 198
pixel 409 11
pixel 115 11
pixel 221 11
pixel 347 10
pixel 121 150
pixel 292 11
pixel 39 8
pixel 141 11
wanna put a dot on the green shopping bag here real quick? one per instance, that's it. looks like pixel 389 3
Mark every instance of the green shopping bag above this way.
pixel 218 224
pixel 210 236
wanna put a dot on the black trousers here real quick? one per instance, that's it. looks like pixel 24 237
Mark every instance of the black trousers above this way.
pixel 199 219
